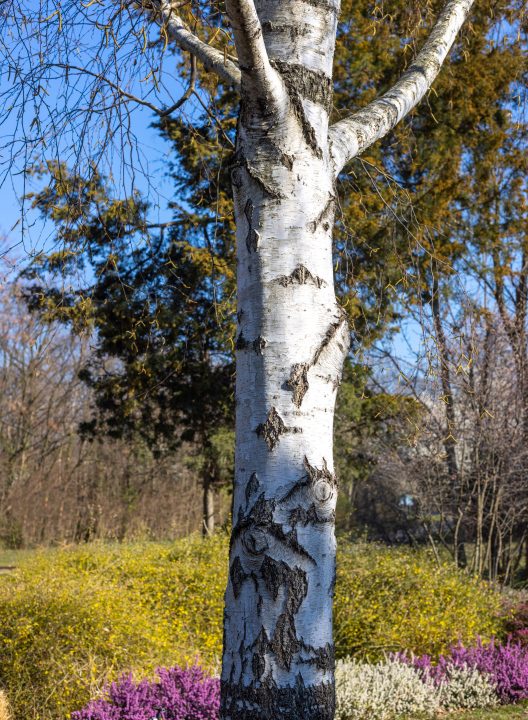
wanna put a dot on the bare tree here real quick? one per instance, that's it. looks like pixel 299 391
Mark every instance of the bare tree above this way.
pixel 55 486
pixel 293 336
pixel 484 504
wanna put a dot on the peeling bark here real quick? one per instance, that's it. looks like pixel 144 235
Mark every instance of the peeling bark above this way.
pixel 252 486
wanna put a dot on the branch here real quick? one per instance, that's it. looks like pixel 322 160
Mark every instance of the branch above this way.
pixel 351 136
pixel 214 118
pixel 162 113
pixel 211 58
pixel 259 77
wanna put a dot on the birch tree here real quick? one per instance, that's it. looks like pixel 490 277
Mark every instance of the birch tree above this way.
pixel 292 335
pixel 293 339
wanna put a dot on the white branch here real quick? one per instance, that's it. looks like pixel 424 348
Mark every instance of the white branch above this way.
pixel 351 136
pixel 212 59
pixel 259 77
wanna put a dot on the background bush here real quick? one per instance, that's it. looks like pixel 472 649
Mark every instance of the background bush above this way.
pixel 72 619
pixel 389 599
pixel 382 691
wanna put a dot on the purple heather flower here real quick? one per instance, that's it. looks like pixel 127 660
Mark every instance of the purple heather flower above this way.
pixel 184 694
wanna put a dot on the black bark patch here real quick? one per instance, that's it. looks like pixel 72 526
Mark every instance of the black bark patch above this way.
pixel 300 276
pixel 323 657
pixel 266 701
pixel 273 428
pixel 261 515
pixel 260 647
pixel 274 575
pixel 253 237
pixel 298 590
pixel 298 381
pixel 238 576
pixel 284 642
pixel 300 516
pixel 296 104
pixel 277 575
pixel 240 314
pixel 252 486
pixel 324 474
pixel 313 85
pixel 259 344
pixel 241 342
pixel 321 483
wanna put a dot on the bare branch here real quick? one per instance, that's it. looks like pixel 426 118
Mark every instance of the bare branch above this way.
pixel 213 117
pixel 162 113
pixel 351 136
pixel 212 59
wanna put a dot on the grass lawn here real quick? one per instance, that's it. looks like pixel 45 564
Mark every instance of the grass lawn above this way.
pixel 501 713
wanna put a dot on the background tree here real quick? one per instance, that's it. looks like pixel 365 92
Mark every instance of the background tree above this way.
pixel 159 306
pixel 55 486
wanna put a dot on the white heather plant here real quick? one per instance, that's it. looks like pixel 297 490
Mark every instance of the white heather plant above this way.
pixel 467 688
pixel 382 691
pixel 392 688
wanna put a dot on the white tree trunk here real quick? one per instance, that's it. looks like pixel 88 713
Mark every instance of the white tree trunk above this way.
pixel 292 340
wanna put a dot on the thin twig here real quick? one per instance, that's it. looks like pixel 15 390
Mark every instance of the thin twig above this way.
pixel 213 117
pixel 162 113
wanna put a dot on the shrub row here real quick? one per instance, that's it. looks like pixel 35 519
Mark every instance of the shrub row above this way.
pixel 72 620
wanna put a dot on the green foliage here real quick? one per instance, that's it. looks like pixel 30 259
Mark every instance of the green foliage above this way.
pixel 72 618
pixel 160 303
pixel 412 204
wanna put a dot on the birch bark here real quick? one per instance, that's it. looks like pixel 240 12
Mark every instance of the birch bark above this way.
pixel 291 342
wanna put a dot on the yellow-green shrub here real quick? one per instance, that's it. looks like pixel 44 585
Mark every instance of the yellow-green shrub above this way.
pixel 71 619
pixel 394 599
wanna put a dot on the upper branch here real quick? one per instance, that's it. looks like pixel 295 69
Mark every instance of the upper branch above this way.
pixel 351 136
pixel 258 75
pixel 212 59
